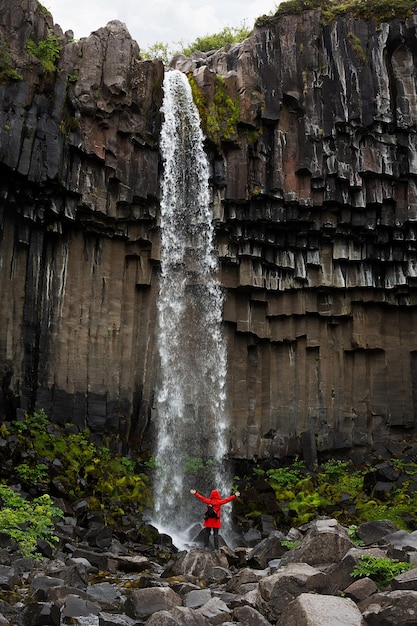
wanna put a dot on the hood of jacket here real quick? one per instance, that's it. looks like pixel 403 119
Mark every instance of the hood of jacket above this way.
pixel 215 495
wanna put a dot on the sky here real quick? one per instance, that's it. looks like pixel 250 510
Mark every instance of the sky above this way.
pixel 158 21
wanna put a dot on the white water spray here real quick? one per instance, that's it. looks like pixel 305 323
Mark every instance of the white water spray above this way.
pixel 192 423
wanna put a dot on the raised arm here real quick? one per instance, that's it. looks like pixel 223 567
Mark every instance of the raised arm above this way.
pixel 199 496
pixel 229 499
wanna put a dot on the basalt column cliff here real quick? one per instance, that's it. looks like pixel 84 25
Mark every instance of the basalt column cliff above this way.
pixel 311 135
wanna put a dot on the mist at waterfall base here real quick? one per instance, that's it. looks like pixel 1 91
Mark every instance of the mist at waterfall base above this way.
pixel 192 437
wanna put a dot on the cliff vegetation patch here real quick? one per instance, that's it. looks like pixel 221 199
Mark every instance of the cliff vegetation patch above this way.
pixel 219 118
pixel 47 51
pixel 379 10
pixel 8 71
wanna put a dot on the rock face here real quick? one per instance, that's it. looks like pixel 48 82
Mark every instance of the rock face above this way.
pixel 315 204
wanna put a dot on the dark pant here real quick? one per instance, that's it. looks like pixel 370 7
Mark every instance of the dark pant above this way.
pixel 215 536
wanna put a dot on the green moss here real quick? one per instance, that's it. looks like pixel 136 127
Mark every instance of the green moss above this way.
pixel 8 72
pixel 219 119
pixel 335 487
pixel 86 469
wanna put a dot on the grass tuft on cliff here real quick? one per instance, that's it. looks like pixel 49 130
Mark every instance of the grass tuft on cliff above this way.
pixel 379 10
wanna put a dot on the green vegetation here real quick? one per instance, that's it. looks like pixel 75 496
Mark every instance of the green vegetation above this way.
pixel 159 51
pixel 219 119
pixel 83 469
pixel 228 35
pixel 7 70
pixel 335 488
pixel 379 10
pixel 356 45
pixel 27 522
pixel 47 51
pixel 381 570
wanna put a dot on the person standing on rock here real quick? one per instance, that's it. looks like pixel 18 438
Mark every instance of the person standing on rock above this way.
pixel 212 519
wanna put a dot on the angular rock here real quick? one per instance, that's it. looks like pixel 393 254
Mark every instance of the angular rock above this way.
pixel 314 610
pixel 401 544
pixel 196 564
pixel 196 598
pixel 248 615
pixel 142 603
pixel 269 548
pixel 340 575
pixel 105 595
pixel 278 590
pixel 396 608
pixel 216 611
pixel 75 606
pixel 373 532
pixel 180 616
pixel 406 580
pixel 40 614
pixel 325 542
pixel 8 577
pixel 361 589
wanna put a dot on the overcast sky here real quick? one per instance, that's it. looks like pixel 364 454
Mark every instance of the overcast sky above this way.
pixel 154 21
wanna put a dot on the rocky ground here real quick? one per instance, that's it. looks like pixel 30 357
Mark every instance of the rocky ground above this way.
pixel 105 577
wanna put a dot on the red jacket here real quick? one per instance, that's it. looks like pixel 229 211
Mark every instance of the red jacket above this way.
pixel 216 501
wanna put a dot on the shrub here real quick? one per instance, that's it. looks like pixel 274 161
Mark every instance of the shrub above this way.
pixel 27 522
pixel 47 51
pixel 228 35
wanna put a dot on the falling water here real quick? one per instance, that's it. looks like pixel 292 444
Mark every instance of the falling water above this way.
pixel 192 424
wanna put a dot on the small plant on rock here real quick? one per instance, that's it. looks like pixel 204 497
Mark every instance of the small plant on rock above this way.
pixel 47 51
pixel 381 570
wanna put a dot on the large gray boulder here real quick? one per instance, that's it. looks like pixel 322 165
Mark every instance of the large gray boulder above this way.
pixel 317 610
pixel 142 603
pixel 325 542
pixel 395 608
pixel 278 590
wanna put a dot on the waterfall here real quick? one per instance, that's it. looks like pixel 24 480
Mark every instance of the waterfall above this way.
pixel 192 437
